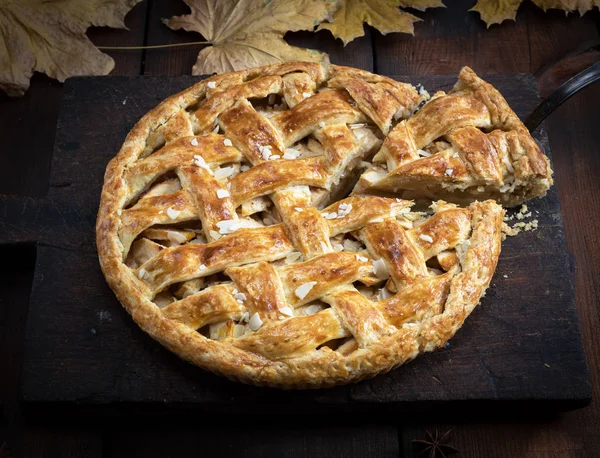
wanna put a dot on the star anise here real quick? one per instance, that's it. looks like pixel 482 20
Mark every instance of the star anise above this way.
pixel 437 446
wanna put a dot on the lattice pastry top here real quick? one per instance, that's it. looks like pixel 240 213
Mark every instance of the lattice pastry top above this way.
pixel 224 232
pixel 462 146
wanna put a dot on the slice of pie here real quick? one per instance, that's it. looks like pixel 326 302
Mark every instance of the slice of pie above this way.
pixel 462 146
pixel 225 231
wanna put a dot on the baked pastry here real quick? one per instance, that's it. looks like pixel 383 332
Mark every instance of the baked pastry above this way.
pixel 462 146
pixel 223 231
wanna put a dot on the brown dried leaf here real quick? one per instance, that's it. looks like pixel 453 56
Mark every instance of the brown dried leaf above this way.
pixel 249 33
pixel 385 15
pixel 49 37
pixel 496 11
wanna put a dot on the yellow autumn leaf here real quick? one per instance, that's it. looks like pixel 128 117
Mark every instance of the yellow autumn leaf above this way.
pixel 496 11
pixel 385 15
pixel 49 36
pixel 568 5
pixel 249 33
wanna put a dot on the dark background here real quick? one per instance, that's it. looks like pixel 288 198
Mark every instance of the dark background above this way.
pixel 549 45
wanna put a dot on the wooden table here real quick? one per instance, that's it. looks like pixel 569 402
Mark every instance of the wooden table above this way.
pixel 547 45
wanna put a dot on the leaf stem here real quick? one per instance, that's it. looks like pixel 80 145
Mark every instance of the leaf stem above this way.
pixel 134 48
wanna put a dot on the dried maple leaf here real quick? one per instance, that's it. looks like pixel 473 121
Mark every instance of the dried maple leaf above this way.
pixel 496 11
pixel 384 15
pixel 49 37
pixel 249 33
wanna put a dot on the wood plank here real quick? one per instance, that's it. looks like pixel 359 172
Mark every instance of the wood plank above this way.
pixel 449 38
pixel 260 437
pixel 60 441
pixel 502 352
pixel 25 158
pixel 553 35
pixel 127 62
pixel 169 61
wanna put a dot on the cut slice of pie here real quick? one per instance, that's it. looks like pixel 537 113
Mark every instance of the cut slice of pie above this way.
pixel 225 231
pixel 462 146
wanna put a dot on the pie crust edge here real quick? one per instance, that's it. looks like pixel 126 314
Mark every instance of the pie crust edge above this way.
pixel 317 369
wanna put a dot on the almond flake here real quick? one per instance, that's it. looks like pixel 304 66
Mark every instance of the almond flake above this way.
pixel 358 125
pixel 291 153
pixel 194 142
pixel 214 234
pixel 332 215
pixel 362 258
pixel 426 238
pixel 448 172
pixel 201 267
pixel 380 269
pixel 455 154
pixel 344 209
pixel 274 157
pixel 243 168
pixel 227 142
pixel 322 124
pixel 225 172
pixel 377 220
pixel 216 129
pixel 303 290
pixel 244 317
pixel 287 311
pixel 423 153
pixel 265 152
pixel 324 246
pixel 141 273
pixel 172 213
pixel 306 95
pixel 338 247
pixel 212 84
pixel 298 209
pixel 240 297
pixel 222 193
pixel 228 226
pixel 200 162
pixel 255 322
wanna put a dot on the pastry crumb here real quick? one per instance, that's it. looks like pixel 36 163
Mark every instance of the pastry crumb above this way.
pixel 522 214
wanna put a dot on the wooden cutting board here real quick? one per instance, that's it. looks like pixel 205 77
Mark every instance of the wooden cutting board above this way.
pixel 522 344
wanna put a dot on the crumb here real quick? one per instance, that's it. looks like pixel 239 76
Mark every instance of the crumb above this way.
pixel 521 215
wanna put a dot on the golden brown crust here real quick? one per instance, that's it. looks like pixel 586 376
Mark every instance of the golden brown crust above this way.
pixel 462 146
pixel 169 184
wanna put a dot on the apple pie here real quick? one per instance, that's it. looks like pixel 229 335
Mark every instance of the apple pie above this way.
pixel 239 228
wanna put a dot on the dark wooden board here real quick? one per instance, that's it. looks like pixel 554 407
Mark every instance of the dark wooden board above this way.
pixel 521 344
